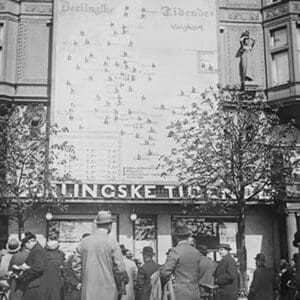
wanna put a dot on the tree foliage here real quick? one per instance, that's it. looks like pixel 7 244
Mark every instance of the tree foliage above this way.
pixel 29 164
pixel 235 143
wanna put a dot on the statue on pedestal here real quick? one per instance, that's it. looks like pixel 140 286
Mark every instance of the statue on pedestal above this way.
pixel 246 46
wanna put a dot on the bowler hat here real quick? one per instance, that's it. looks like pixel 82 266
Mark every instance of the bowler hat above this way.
pixel 180 229
pixel 148 250
pixel 13 245
pixel 260 257
pixel 224 246
pixel 104 217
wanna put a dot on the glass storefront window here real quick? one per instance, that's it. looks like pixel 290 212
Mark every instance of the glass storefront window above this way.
pixel 145 234
pixel 211 232
pixel 69 232
pixel 278 38
pixel 280 67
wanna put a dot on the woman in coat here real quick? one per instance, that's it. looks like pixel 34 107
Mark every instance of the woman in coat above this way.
pixel 183 262
pixel 53 273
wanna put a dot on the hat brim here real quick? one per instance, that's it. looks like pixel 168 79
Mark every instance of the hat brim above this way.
pixel 13 250
pixel 148 252
pixel 103 222
pixel 224 247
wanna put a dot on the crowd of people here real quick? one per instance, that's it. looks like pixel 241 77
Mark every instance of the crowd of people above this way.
pixel 100 268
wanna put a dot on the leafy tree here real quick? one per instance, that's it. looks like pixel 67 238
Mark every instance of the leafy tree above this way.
pixel 233 144
pixel 29 163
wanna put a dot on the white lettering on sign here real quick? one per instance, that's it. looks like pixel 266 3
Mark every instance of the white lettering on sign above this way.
pixel 148 191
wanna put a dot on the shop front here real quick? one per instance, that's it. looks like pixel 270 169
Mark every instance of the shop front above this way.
pixel 144 215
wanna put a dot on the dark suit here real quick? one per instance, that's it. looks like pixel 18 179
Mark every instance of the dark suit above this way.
pixel 143 286
pixel 183 262
pixel 226 277
pixel 263 284
pixel 34 277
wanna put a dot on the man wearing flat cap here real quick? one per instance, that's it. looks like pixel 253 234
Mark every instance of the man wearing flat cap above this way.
pixel 183 262
pixel 100 259
pixel 226 275
pixel 264 281
pixel 143 285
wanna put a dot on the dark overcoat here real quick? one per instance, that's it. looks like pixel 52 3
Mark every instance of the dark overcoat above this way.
pixel 53 274
pixel 17 284
pixel 263 284
pixel 71 281
pixel 226 277
pixel 183 262
pixel 34 278
pixel 143 286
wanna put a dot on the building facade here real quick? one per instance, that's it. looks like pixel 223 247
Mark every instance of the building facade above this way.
pixel 115 73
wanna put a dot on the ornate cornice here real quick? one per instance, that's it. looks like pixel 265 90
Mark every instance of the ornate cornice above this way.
pixel 276 11
pixel 240 16
pixel 36 8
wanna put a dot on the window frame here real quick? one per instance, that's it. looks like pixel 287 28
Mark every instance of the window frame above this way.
pixel 272 50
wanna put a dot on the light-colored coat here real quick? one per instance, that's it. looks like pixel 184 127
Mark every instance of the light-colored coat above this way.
pixel 131 270
pixel 183 262
pixel 99 256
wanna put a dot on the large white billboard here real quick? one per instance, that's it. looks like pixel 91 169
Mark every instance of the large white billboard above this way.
pixel 122 71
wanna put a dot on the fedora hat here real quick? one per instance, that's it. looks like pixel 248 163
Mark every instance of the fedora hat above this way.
pixel 224 246
pixel 13 245
pixel 260 257
pixel 148 251
pixel 180 229
pixel 104 217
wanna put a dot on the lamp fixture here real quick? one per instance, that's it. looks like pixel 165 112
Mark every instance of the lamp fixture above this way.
pixel 49 216
pixel 133 216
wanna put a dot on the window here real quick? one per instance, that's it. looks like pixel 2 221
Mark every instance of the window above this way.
pixel 70 231
pixel 298 46
pixel 1 42
pixel 278 38
pixel 145 234
pixel 280 73
pixel 211 232
pixel 280 68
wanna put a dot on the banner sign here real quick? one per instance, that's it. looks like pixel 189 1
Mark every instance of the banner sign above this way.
pixel 122 72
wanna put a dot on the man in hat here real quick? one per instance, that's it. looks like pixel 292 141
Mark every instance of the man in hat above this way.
pixel 207 269
pixel 131 270
pixel 183 262
pixel 143 285
pixel 264 281
pixel 34 270
pixel 12 247
pixel 226 275
pixel 100 259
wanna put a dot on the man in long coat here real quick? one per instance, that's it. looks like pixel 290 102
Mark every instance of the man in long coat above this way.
pixel 131 270
pixel 207 269
pixel 34 274
pixel 264 281
pixel 143 286
pixel 183 262
pixel 226 275
pixel 101 259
